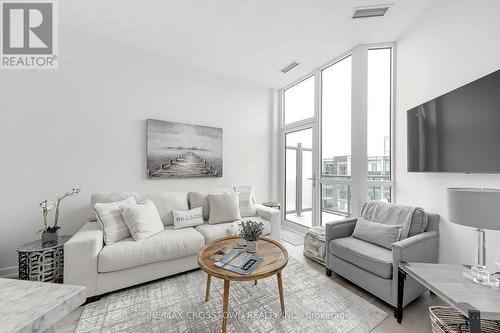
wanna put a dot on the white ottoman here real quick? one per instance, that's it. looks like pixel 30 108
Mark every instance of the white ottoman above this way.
pixel 314 244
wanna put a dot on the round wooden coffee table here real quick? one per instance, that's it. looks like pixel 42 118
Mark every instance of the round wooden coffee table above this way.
pixel 275 258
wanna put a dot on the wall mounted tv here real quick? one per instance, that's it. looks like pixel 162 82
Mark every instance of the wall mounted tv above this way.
pixel 459 131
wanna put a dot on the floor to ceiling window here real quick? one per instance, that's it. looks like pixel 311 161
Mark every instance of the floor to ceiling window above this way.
pixel 379 102
pixel 336 140
pixel 336 135
pixel 299 105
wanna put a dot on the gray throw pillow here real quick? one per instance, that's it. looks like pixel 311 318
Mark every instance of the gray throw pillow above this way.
pixel 377 233
pixel 200 199
pixel 166 202
pixel 224 207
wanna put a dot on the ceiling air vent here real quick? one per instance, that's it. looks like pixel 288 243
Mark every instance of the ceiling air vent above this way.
pixel 289 67
pixel 372 11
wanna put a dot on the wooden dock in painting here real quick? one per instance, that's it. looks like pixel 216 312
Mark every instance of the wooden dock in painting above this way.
pixel 184 166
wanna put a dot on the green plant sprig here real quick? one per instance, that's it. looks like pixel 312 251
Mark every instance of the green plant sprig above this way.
pixel 251 230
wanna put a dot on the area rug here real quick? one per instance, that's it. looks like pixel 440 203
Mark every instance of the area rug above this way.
pixel 313 303
pixel 292 237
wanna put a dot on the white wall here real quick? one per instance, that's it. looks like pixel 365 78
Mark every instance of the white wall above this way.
pixel 85 125
pixel 454 42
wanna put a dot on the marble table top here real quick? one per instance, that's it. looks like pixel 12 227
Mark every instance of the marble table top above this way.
pixel 447 282
pixel 29 306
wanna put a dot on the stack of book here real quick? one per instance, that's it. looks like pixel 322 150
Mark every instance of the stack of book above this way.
pixel 238 261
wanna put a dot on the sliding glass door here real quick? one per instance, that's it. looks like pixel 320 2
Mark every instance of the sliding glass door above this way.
pixel 299 176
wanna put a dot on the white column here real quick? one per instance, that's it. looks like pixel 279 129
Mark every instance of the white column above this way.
pixel 358 129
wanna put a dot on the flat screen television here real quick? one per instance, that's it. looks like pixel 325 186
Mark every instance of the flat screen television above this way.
pixel 458 131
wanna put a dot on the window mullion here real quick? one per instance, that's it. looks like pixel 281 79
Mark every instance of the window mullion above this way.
pixel 359 163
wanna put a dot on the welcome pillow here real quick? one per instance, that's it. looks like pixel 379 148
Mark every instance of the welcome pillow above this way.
pixel 142 219
pixel 110 217
pixel 188 218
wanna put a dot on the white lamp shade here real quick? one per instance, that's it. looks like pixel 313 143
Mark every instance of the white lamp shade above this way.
pixel 474 207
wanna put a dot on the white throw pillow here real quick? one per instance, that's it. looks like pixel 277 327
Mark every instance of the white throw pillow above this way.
pixel 107 197
pixel 224 207
pixel 142 220
pixel 110 217
pixel 188 218
pixel 247 201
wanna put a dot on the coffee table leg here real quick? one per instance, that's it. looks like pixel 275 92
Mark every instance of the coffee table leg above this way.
pixel 282 298
pixel 207 293
pixel 225 306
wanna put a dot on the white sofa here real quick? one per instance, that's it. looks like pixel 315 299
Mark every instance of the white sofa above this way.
pixel 103 268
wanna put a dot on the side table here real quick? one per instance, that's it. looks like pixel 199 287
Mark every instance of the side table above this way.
pixel 42 261
pixel 272 204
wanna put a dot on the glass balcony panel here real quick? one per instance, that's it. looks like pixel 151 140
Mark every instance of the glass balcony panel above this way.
pixel 380 193
pixel 335 202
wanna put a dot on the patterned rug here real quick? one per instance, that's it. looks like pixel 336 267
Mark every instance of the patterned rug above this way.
pixel 313 303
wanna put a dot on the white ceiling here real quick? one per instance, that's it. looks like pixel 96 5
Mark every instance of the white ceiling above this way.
pixel 248 40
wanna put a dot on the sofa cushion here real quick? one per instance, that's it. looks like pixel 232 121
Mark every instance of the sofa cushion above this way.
pixel 224 207
pixel 373 258
pixel 166 202
pixel 166 245
pixel 106 197
pixel 214 231
pixel 200 199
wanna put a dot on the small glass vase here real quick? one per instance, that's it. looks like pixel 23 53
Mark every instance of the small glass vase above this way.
pixel 252 246
pixel 48 237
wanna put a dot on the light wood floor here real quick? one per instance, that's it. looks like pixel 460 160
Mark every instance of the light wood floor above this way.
pixel 416 315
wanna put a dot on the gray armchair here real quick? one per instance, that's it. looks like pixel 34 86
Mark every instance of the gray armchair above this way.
pixel 375 268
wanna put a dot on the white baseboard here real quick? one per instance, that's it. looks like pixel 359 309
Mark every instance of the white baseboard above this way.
pixel 9 272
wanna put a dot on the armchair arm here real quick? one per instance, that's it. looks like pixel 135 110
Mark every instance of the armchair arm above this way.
pixel 421 248
pixel 274 218
pixel 340 229
pixel 80 257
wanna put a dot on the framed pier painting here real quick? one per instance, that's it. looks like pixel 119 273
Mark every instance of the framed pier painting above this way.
pixel 176 150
